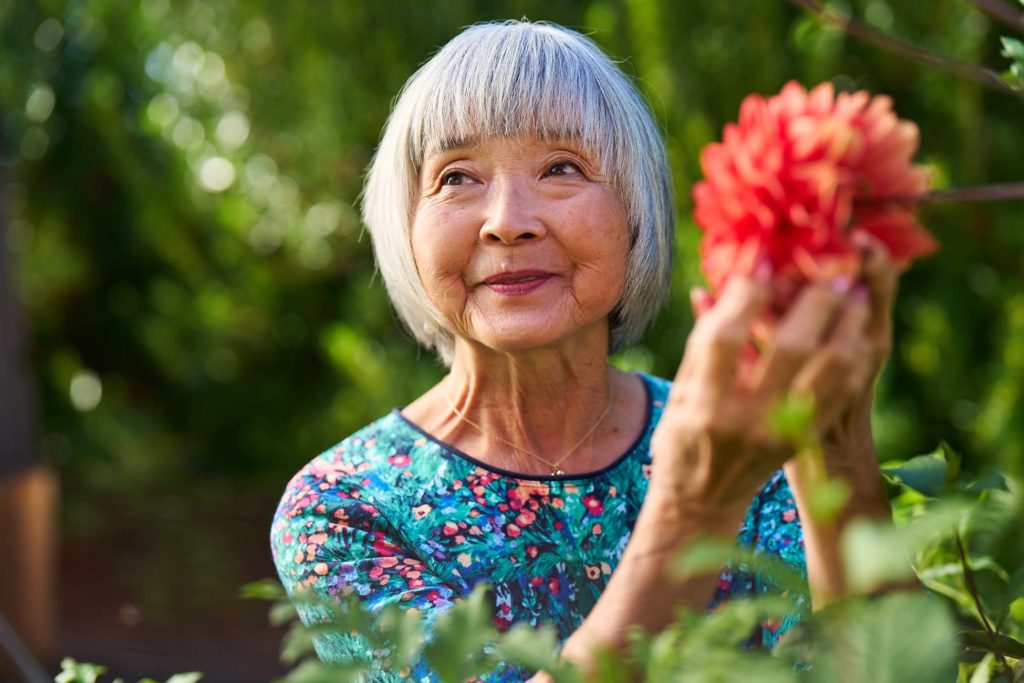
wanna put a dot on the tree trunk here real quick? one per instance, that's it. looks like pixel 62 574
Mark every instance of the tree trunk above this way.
pixel 28 490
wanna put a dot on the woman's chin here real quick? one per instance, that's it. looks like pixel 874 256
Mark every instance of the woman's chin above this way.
pixel 524 338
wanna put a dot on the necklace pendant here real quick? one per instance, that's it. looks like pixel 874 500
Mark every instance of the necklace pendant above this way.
pixel 556 470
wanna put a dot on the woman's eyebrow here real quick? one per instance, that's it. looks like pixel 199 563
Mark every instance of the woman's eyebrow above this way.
pixel 446 145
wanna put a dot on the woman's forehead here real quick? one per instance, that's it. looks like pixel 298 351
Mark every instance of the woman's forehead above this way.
pixel 446 145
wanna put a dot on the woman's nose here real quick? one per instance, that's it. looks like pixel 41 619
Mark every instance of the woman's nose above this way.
pixel 513 214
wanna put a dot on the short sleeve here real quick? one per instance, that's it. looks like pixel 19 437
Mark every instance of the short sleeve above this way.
pixel 771 526
pixel 331 536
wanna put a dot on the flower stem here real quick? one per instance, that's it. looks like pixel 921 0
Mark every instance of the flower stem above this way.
pixel 973 590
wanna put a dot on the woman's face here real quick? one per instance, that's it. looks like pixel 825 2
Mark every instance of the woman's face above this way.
pixel 520 243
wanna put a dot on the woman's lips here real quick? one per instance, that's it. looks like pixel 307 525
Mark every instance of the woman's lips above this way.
pixel 517 283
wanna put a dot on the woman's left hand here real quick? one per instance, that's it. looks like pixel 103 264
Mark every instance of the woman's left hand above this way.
pixel 859 347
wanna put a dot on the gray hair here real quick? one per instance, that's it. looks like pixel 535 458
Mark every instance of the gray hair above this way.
pixel 520 78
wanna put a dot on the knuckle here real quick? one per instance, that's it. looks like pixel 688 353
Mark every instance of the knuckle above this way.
pixel 729 338
pixel 842 358
pixel 818 296
pixel 722 430
pixel 720 334
pixel 792 348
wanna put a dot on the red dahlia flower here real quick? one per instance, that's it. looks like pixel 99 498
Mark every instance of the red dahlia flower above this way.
pixel 797 176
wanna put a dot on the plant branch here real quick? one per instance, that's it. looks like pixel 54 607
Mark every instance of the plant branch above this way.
pixel 858 29
pixel 996 192
pixel 973 590
pixel 998 9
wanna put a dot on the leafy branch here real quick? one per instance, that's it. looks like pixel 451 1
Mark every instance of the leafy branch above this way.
pixel 1001 11
pixel 858 29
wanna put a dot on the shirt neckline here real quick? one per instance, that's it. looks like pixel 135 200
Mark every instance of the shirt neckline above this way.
pixel 519 476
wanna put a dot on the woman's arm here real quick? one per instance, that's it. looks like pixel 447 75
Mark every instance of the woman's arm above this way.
pixel 857 349
pixel 712 452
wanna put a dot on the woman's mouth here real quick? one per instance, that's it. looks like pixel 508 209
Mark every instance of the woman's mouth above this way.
pixel 517 283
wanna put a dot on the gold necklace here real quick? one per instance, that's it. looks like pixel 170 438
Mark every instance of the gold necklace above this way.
pixel 554 466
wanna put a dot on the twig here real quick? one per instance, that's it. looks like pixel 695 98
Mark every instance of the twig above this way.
pixel 868 33
pixel 973 590
pixel 998 9
pixel 997 192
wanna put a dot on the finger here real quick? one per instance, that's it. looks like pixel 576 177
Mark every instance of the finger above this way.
pixel 798 336
pixel 881 277
pixel 835 375
pixel 700 301
pixel 721 333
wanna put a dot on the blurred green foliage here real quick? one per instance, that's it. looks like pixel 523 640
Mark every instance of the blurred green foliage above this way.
pixel 204 307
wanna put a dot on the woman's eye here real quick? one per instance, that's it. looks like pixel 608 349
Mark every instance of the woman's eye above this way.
pixel 563 168
pixel 453 178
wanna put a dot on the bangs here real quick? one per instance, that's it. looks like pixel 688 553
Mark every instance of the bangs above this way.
pixel 526 85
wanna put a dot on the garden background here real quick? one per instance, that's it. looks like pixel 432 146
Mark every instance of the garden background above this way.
pixel 179 198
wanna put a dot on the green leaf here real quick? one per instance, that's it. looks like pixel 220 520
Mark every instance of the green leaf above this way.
pixel 264 589
pixel 712 555
pixel 609 667
pixel 297 643
pixel 282 612
pixel 536 649
pixel 929 474
pixel 1013 50
pixel 876 553
pixel 460 633
pixel 982 640
pixel 1017 610
pixel 792 419
pixel 532 648
pixel 72 671
pixel 888 639
pixel 402 628
pixel 828 499
pixel 982 672
pixel 733 622
pixel 190 677
pixel 993 527
pixel 315 671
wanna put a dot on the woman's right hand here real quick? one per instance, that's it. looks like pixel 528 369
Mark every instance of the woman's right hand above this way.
pixel 713 449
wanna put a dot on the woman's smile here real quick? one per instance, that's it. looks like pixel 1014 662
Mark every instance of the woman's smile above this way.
pixel 517 283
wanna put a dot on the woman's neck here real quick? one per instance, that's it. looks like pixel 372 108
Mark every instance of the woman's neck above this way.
pixel 526 411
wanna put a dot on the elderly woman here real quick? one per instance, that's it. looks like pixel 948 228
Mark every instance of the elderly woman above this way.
pixel 521 214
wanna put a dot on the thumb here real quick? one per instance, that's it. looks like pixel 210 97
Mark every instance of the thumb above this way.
pixel 701 301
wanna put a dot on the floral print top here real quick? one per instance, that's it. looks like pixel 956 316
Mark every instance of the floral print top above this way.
pixel 398 517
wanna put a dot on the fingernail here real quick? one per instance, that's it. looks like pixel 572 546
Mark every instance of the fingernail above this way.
pixel 700 300
pixel 841 284
pixel 763 270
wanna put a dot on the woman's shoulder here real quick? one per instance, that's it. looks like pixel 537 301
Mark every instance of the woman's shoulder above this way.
pixel 657 390
pixel 356 450
pixel 346 469
pixel 657 387
pixel 343 484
